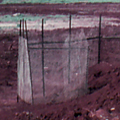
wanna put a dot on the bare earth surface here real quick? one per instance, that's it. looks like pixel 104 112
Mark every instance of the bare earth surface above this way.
pixel 103 99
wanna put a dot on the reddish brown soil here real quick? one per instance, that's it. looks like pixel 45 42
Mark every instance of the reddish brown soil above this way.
pixel 103 99
pixel 107 9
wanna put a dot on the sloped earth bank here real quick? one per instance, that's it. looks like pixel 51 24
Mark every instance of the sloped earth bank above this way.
pixel 103 99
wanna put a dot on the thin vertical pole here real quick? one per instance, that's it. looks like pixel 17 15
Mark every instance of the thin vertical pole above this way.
pixel 23 28
pixel 69 52
pixel 43 57
pixel 29 61
pixel 20 29
pixel 26 30
pixel 18 58
pixel 70 25
pixel 99 42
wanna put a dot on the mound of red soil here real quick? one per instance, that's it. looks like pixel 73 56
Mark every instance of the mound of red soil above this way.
pixel 101 102
pixel 103 99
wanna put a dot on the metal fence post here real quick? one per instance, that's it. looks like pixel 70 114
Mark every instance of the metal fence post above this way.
pixel 23 28
pixel 20 29
pixel 26 30
pixel 20 36
pixel 29 61
pixel 69 52
pixel 43 57
pixel 99 42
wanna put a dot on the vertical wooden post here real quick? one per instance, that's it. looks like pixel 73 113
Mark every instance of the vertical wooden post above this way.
pixel 99 42
pixel 69 52
pixel 43 57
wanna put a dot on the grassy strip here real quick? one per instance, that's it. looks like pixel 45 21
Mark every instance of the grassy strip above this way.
pixel 18 17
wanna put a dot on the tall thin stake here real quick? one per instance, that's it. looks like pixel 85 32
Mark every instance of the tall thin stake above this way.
pixel 43 57
pixel 70 24
pixel 20 29
pixel 23 28
pixel 18 58
pixel 99 42
pixel 29 61
pixel 69 52
pixel 26 30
